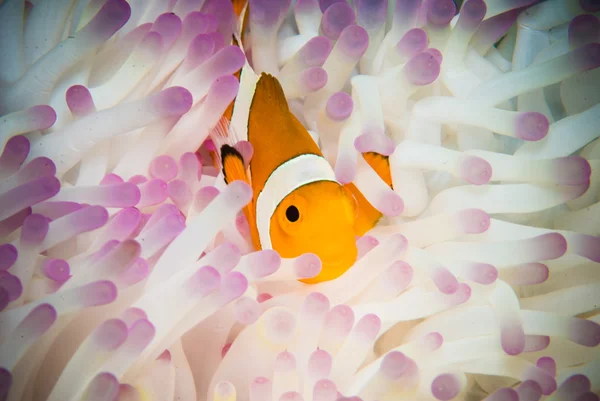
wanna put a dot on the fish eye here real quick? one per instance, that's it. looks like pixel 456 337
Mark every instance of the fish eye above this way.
pixel 292 213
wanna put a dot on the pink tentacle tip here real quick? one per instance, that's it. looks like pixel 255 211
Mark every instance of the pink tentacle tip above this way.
pixel 584 29
pixel 234 285
pixel 376 142
pixel 353 41
pixel 345 171
pixel 35 228
pixel 5 382
pixel 544 379
pixel 368 327
pixel 138 179
pixel 56 269
pixel 8 256
pixel 80 101
pixel 440 12
pixel 339 106
pixel 315 51
pixel 529 390
pixel 173 101
pixel 589 396
pixel 152 192
pixel 314 78
pixel 574 386
pixel 307 265
pixel 124 195
pixel 111 17
pixel 483 273
pixel 531 126
pixel 247 311
pixel 586 57
pixel 163 167
pixel 15 151
pixel 335 18
pixel 400 274
pixel 412 43
pixel 110 334
pixel 445 387
pixel 549 246
pixel 396 366
pixel 422 69
pixel 547 364
pixel 391 204
pixel 111 179
pixel 445 281
pixel 11 284
pixel 205 280
pixel 42 116
pixel 433 340
pixel 471 14
pixel 365 244
pixel 315 303
pixel 590 6
pixel 263 297
pixel 39 320
pixel 474 221
pixel 512 338
pixel 584 332
pixel 475 170
pixel 99 293
pixel 572 170
pixel 462 295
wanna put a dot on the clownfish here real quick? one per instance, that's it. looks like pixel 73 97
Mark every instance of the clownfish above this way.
pixel 298 206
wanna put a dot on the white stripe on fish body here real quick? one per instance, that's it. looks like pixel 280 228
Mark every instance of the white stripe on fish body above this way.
pixel 248 80
pixel 291 175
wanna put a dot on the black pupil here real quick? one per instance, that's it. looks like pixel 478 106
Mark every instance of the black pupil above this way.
pixel 292 213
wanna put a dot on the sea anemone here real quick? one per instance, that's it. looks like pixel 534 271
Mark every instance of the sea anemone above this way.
pixel 126 268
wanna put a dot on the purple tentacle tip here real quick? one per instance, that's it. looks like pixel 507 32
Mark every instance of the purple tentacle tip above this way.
pixel 111 17
pixel 440 12
pixel 325 4
pixel 422 69
pixel 584 332
pixel 353 41
pixel 16 150
pixel 5 382
pixel 79 100
pixel 8 256
pixel 35 228
pixel 337 17
pixel 371 14
pixel 173 101
pixel 512 338
pixel 531 126
pixel 315 51
pixel 314 78
pixel 471 14
pixel 11 284
pixel 445 387
pixel 339 106
pixel 412 43
pixel 590 6
pixel 586 57
pixel 584 29
pixel 44 116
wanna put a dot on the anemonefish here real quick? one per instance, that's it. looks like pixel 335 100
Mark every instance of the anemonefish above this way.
pixel 298 206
